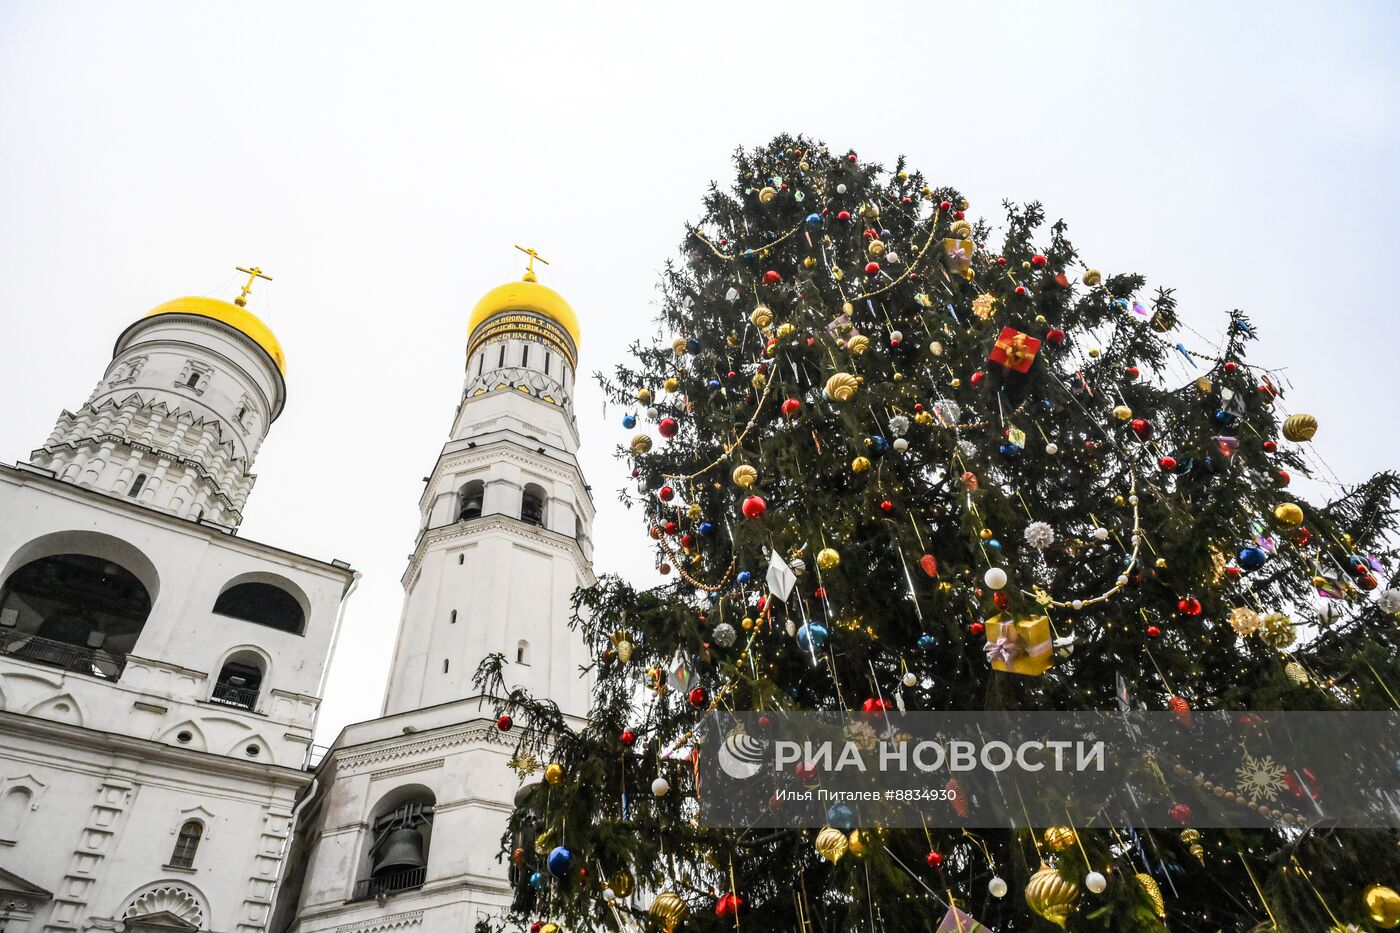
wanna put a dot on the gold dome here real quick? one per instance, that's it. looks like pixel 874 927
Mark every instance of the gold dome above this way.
pixel 525 295
pixel 240 319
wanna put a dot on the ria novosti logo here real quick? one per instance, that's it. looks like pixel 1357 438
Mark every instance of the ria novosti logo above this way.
pixel 741 755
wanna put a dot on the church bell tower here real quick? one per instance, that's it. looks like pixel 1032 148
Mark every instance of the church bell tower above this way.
pixel 404 826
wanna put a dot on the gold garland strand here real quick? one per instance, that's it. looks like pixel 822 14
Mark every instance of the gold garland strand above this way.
pixel 728 448
pixel 680 569
pixel 730 257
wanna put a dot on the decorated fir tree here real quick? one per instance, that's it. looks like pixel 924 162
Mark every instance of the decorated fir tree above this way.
pixel 1000 479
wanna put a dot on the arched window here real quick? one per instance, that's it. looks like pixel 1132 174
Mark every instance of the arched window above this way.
pixel 401 828
pixel 532 505
pixel 193 381
pixel 74 611
pixel 525 355
pixel 13 807
pixel 522 652
pixel 187 844
pixel 500 364
pixel 239 681
pixel 262 604
pixel 578 528
pixel 137 485
pixel 470 499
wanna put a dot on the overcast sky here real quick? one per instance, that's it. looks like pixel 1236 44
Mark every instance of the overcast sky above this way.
pixel 379 161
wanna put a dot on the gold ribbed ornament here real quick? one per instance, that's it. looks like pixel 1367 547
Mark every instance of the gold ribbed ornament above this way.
pixel 831 844
pixel 841 387
pixel 622 884
pixel 860 464
pixel 1382 906
pixel 1299 428
pixel 668 911
pixel 641 443
pixel 744 475
pixel 761 317
pixel 1051 895
pixel 1058 838
pixel 858 344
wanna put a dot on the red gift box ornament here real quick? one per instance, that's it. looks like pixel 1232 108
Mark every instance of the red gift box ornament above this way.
pixel 1015 350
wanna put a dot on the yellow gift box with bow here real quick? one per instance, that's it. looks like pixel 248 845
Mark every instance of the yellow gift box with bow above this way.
pixel 1021 646
pixel 959 254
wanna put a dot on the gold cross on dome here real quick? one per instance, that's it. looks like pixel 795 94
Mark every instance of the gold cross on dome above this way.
pixel 530 272
pixel 254 274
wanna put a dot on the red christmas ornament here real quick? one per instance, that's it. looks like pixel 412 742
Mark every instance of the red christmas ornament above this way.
pixel 976 628
pixel 959 215
pixel 872 268
pixel 868 233
pixel 1181 813
pixel 687 541
pixel 929 564
pixel 729 904
pixel 1020 291
pixel 1281 478
pixel 873 705
pixel 1132 372
pixel 671 528
pixel 945 205
pixel 1313 785
pixel 665 493
pixel 1062 280
pixel 934 859
pixel 667 428
pixel 1039 261
pixel 1142 427
pixel 771 277
pixel 504 723
pixel 887 506
pixel 1232 572
pixel 628 738
pixel 791 407
pixel 1188 606
pixel 977 377
pixel 732 374
pixel 1167 464
pixel 536 926
pixel 698 697
pixel 1181 708
pixel 851 158
pixel 1153 631
pixel 1270 446
pixel 1055 336
pixel 843 215
pixel 805 771
pixel 1230 366
pixel 1000 600
pixel 754 507
pixel 1001 260
pixel 1301 536
pixel 1367 582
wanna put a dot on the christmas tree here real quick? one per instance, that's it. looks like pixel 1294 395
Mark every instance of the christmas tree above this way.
pixel 930 436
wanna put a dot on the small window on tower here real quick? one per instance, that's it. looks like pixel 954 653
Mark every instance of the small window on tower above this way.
pixel 532 505
pixel 452 619
pixel 187 844
pixel 548 357
pixel 445 664
pixel 481 362
pixel 137 486
pixel 522 653
pixel 502 361
pixel 193 381
pixel 525 355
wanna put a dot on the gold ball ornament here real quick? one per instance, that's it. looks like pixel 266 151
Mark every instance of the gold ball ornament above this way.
pixel 961 229
pixel 644 396
pixel 841 387
pixel 1094 352
pixel 984 306
pixel 668 911
pixel 1299 428
pixel 550 928
pixel 744 475
pixel 1276 630
pixel 1092 277
pixel 828 557
pixel 554 772
pixel 1058 838
pixel 860 465
pixel 641 443
pixel 935 348
pixel 761 317
pixel 767 193
pixel 809 263
pixel 1382 906
pixel 1244 621
pixel 857 844
pixel 678 346
pixel 831 844
pixel 672 384
pixel 858 344
pixel 1051 895
pixel 1288 514
pixel 876 248
pixel 1122 412
pixel 622 884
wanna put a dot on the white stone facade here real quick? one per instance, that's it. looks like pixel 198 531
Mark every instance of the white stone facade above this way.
pixel 150 766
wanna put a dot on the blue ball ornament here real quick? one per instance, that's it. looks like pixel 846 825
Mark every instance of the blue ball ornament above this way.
pixel 811 635
pixel 745 576
pixel 1224 417
pixel 841 816
pixel 629 421
pixel 994 544
pixel 536 880
pixel 559 861
pixel 707 529
pixel 879 446
pixel 927 641
pixel 692 346
pixel 1252 558
pixel 814 219
pixel 1009 450
pixel 714 385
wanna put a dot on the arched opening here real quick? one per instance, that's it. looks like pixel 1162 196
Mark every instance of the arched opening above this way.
pixel 532 505
pixel 522 652
pixel 75 611
pixel 240 680
pixel 470 499
pixel 263 602
pixel 401 832
pixel 193 381
pixel 187 844
pixel 13 807
pixel 137 485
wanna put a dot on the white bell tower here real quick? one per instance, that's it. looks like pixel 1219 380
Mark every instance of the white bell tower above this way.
pixel 404 825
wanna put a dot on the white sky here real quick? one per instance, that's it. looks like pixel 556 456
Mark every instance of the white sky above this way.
pixel 379 161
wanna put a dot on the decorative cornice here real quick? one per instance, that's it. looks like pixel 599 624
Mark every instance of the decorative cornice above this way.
pixel 477 527
pixel 406 769
pixel 378 924
pixel 399 747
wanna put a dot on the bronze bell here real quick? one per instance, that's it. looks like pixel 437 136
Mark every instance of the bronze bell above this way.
pixel 399 850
